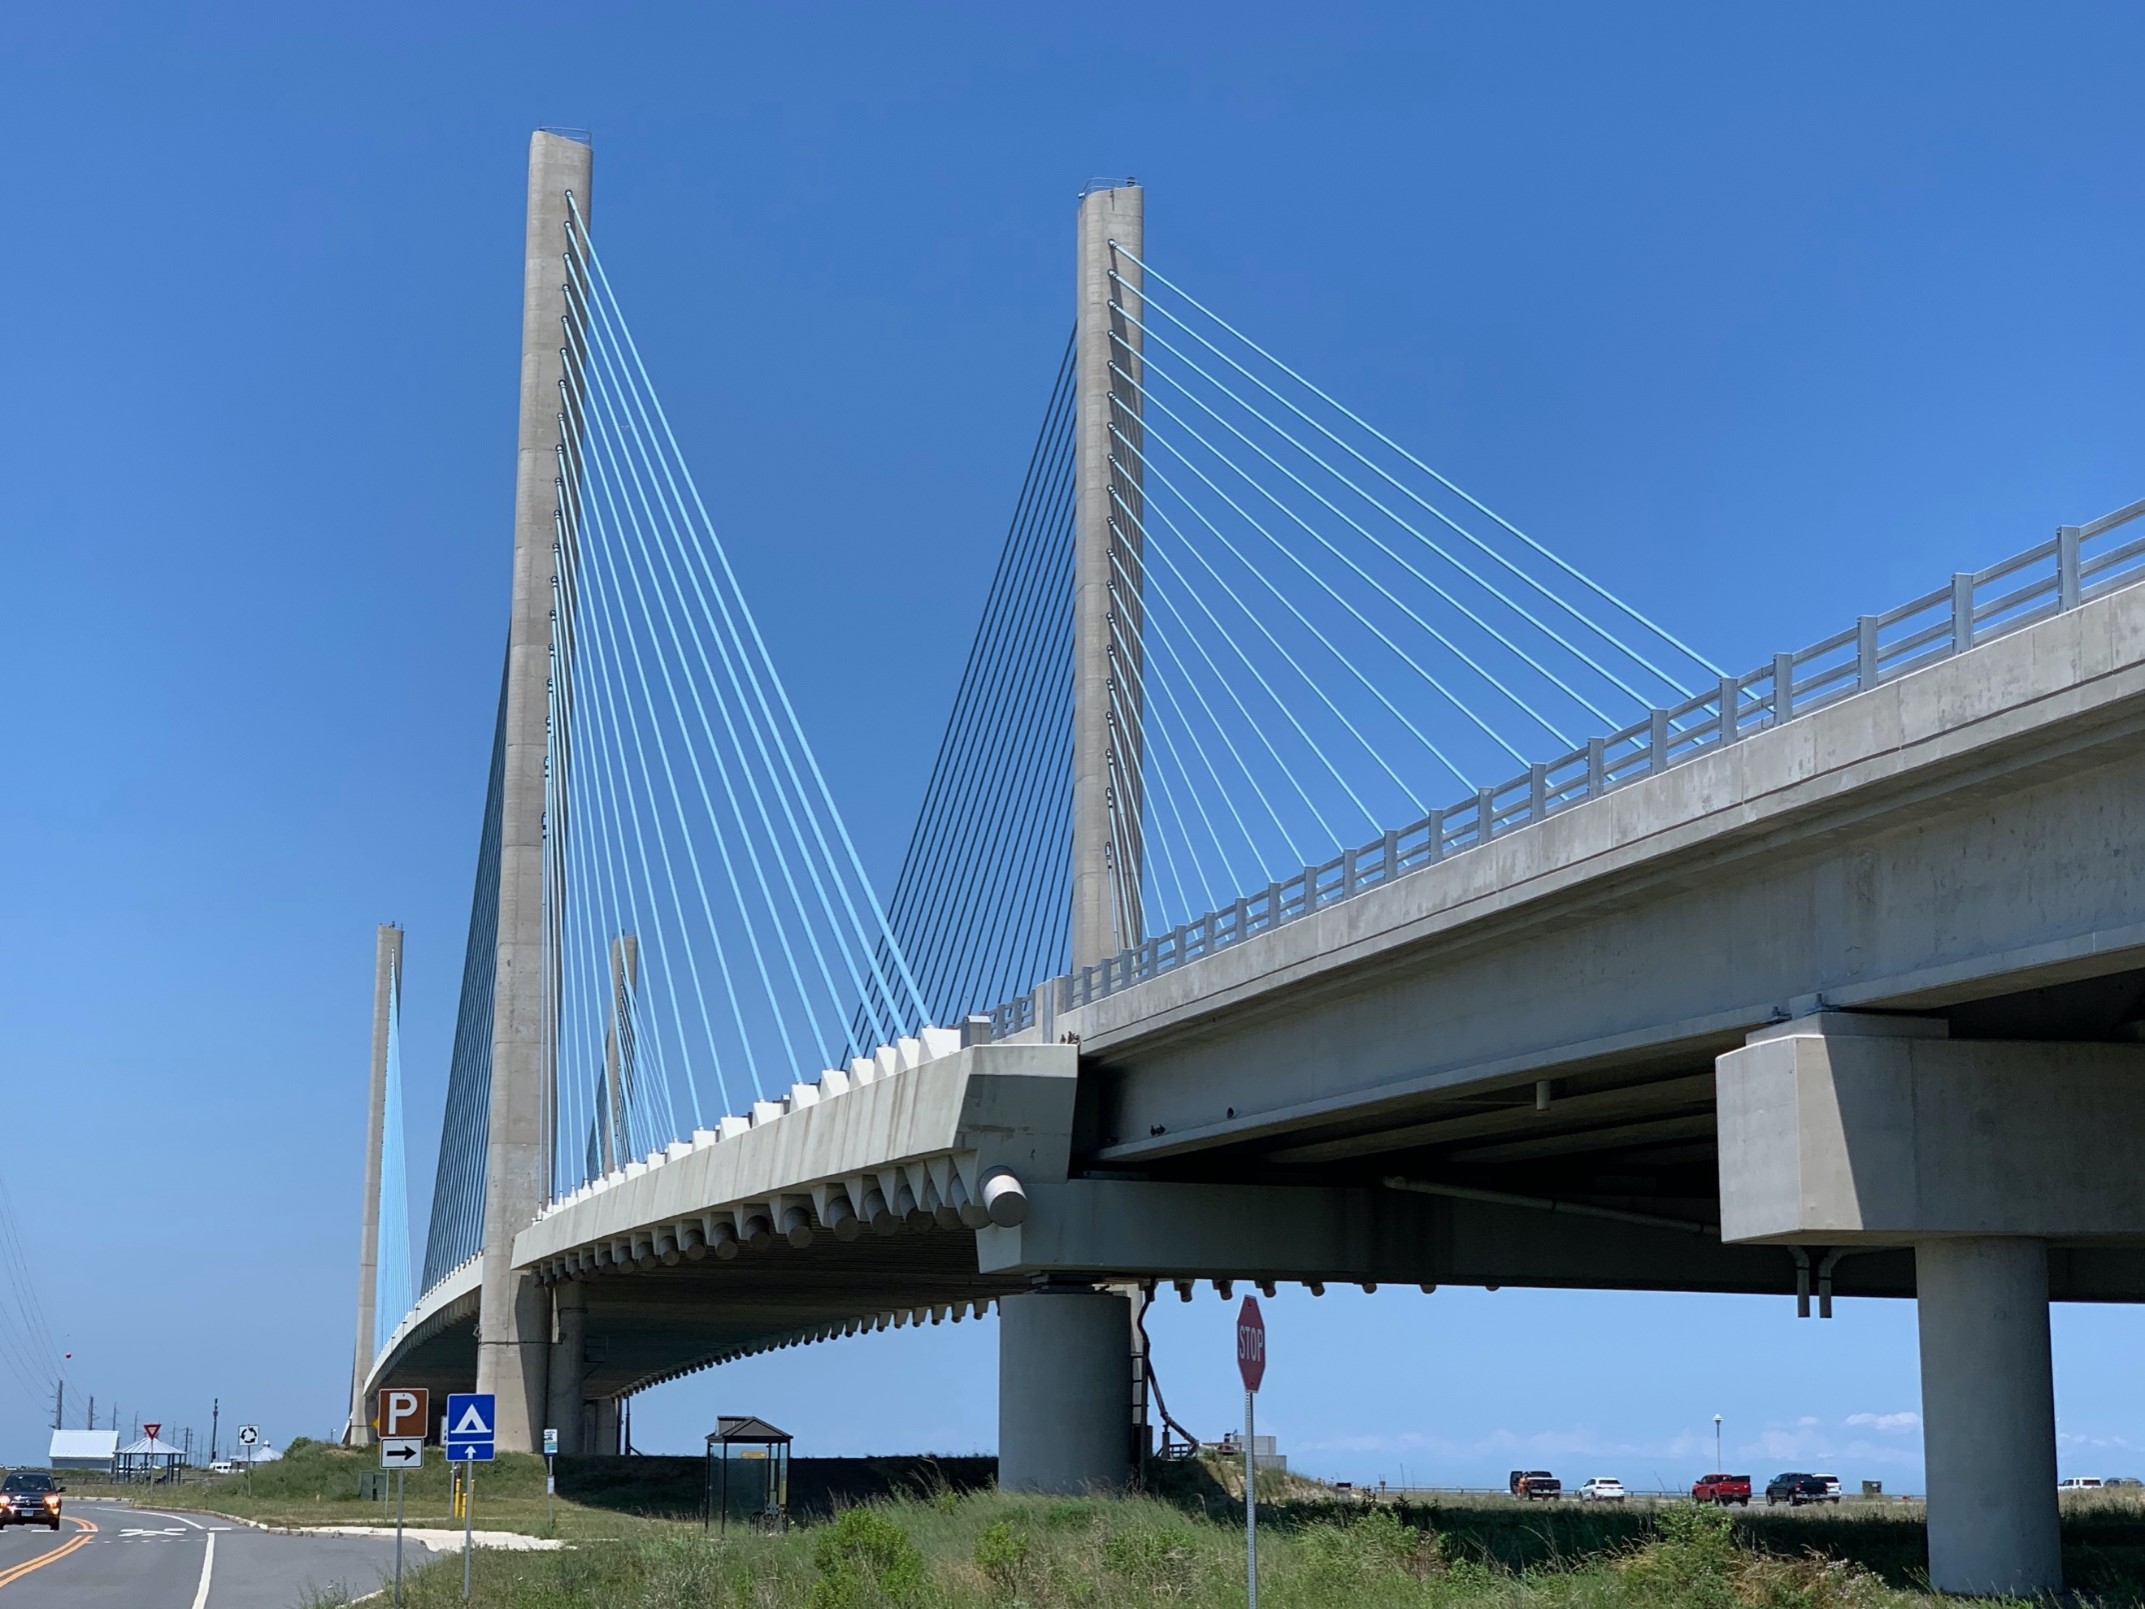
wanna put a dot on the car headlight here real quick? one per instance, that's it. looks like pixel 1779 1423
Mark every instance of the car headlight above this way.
pixel 52 1502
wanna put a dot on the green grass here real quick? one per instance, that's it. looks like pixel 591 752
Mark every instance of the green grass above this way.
pixel 1180 1544
pixel 991 1551
pixel 317 1484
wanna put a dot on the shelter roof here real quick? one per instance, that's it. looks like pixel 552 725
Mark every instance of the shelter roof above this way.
pixel 731 1427
pixel 151 1447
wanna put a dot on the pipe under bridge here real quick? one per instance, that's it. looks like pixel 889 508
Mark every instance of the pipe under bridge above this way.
pixel 1271 915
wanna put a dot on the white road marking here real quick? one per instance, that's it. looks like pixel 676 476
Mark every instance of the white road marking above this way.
pixel 181 1518
pixel 208 1563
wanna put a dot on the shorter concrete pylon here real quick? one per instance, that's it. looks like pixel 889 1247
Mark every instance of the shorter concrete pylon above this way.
pixel 569 1364
pixel 1988 1416
pixel 1064 1391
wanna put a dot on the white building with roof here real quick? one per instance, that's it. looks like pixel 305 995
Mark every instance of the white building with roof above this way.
pixel 83 1449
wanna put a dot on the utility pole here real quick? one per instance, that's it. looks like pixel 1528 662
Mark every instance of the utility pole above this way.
pixel 386 992
pixel 215 1408
pixel 1108 568
pixel 514 1312
pixel 59 1406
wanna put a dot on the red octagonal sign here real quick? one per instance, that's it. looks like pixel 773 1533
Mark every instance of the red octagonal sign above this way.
pixel 1250 1344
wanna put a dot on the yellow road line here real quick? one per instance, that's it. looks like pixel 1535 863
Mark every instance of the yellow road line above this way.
pixel 17 1572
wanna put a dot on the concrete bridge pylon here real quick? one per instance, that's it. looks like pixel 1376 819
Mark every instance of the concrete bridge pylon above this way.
pixel 514 1317
pixel 386 976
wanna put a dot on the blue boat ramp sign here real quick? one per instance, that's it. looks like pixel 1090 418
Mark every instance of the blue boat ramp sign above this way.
pixel 468 1433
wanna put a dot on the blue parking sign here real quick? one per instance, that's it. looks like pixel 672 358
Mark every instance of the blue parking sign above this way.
pixel 469 1431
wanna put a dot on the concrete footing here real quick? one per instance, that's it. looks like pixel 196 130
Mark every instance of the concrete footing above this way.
pixel 1988 1416
pixel 1064 1391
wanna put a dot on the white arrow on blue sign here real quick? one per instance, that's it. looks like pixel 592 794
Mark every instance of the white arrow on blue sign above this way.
pixel 471 1416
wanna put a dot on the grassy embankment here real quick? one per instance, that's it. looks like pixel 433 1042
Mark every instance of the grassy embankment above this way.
pixel 989 1551
pixel 1180 1546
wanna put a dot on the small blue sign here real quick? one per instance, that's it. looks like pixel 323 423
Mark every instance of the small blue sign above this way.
pixel 468 1433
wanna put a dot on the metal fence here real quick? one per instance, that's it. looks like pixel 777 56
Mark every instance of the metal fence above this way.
pixel 2079 563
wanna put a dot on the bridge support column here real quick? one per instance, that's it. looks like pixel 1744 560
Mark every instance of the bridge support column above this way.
pixel 569 1363
pixel 1841 1130
pixel 514 1318
pixel 1064 1391
pixel 1988 1416
pixel 602 1420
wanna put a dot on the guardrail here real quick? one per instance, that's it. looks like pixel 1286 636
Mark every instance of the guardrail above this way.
pixel 2058 575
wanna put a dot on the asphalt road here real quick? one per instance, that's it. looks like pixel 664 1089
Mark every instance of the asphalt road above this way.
pixel 159 1559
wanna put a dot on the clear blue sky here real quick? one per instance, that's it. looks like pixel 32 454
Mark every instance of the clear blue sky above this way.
pixel 1770 315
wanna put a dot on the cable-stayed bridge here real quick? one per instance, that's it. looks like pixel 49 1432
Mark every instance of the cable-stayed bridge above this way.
pixel 1319 879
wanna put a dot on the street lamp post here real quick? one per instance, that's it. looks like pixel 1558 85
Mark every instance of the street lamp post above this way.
pixel 1717 1464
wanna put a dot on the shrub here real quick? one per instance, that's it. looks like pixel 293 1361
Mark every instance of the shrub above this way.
pixel 1002 1555
pixel 865 1559
pixel 1374 1547
pixel 1160 1564
pixel 1697 1564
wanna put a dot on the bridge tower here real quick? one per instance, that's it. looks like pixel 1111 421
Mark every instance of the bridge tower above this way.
pixel 1068 1352
pixel 1107 575
pixel 386 977
pixel 514 1315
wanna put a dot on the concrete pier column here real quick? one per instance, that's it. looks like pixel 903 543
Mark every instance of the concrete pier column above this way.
pixel 1064 1391
pixel 514 1316
pixel 1107 577
pixel 602 1423
pixel 569 1362
pixel 1988 1416
pixel 386 980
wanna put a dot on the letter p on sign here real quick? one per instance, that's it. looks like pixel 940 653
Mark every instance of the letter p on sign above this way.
pixel 405 1413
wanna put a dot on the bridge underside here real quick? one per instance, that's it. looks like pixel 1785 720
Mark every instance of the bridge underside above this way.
pixel 1541 1017
pixel 659 1322
pixel 1635 1133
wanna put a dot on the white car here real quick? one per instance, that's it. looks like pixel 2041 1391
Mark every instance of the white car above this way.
pixel 1602 1489
pixel 2080 1483
pixel 1832 1487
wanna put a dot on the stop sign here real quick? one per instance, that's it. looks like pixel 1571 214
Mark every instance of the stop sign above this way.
pixel 1250 1344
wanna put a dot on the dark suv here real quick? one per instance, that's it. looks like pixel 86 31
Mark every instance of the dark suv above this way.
pixel 1533 1483
pixel 30 1499
pixel 1796 1490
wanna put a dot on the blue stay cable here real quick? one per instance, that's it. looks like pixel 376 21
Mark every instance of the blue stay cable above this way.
pixel 1227 684
pixel 1361 574
pixel 1149 272
pixel 1150 469
pixel 1151 367
pixel 714 543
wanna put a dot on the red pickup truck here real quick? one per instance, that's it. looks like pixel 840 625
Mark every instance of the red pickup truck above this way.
pixel 1722 1489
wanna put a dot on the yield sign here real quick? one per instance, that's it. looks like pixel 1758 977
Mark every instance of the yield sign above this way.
pixel 153 1429
pixel 1251 1343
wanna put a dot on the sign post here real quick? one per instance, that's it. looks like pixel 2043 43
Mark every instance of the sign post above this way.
pixel 1251 1365
pixel 249 1437
pixel 551 1451
pixel 404 1418
pixel 471 1417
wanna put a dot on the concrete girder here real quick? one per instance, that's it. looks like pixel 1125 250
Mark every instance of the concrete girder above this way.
pixel 1970 830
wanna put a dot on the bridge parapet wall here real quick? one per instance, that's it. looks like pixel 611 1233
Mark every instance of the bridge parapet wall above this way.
pixel 957 1137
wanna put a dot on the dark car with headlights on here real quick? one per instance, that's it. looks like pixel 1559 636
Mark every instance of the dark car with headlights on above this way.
pixel 29 1499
